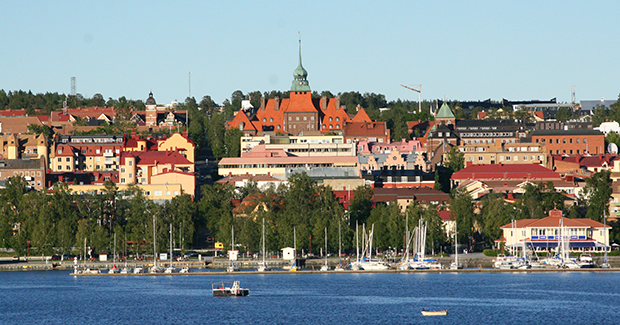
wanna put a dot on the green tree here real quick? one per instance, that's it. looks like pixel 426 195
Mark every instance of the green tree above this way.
pixel 495 213
pixel 454 160
pixel 462 210
pixel 564 114
pixel 360 206
pixel 597 193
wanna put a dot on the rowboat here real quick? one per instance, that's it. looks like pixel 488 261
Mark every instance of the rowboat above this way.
pixel 434 312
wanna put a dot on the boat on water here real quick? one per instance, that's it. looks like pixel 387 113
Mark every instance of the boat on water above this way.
pixel 585 261
pixel 369 263
pixel 170 269
pixel 155 269
pixel 125 270
pixel 138 269
pixel 434 312
pixel 114 270
pixel 228 289
pixel 86 270
pixel 184 269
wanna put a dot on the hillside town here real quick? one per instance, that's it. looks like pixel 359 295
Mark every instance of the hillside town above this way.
pixel 526 155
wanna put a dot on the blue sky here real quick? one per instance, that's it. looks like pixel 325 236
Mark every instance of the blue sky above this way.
pixel 464 50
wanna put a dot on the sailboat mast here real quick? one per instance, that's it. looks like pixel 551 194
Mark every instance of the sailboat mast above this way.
pixel 605 233
pixel 339 242
pixel 263 241
pixel 154 245
pixel 114 258
pixel 357 247
pixel 325 245
pixel 456 250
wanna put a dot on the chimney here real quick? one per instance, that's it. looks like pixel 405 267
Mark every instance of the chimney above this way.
pixel 262 103
pixel 337 99
pixel 277 103
pixel 324 103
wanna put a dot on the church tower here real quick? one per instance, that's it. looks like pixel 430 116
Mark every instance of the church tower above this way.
pixel 300 76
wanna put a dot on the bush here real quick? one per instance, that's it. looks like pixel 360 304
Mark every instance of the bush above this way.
pixel 490 252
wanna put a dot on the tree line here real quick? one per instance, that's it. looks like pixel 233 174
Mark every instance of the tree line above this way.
pixel 59 221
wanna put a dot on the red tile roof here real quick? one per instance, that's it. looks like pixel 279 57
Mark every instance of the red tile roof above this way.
pixel 365 129
pixel 361 116
pixel 508 171
pixel 554 221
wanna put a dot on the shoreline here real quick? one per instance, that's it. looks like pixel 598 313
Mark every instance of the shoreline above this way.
pixel 474 270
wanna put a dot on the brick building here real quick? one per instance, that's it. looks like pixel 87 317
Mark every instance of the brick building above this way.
pixel 571 142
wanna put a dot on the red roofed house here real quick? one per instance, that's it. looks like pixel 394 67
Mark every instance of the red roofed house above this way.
pixel 482 179
pixel 584 235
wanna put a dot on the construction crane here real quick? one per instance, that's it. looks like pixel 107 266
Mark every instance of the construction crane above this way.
pixel 419 91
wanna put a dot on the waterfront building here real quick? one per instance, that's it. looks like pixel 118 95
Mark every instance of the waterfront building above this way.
pixel 584 235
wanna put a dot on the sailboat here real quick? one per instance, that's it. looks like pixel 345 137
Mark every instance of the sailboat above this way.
pixel 154 268
pixel 404 262
pixel 455 265
pixel 262 266
pixel 114 269
pixel 125 269
pixel 605 264
pixel 339 266
pixel 170 268
pixel 232 254
pixel 369 263
pixel 355 266
pixel 325 267
pixel 293 267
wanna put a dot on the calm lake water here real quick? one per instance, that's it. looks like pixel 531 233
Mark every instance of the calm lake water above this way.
pixel 54 297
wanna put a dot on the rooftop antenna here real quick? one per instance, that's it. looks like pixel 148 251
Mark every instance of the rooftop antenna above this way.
pixel 73 92
pixel 572 95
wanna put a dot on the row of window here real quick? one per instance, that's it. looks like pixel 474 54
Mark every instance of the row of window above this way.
pixel 26 173
pixel 296 118
pixel 509 158
pixel 557 140
pixel 160 193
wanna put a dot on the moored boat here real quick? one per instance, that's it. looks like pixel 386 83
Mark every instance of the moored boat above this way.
pixel 228 289
pixel 434 312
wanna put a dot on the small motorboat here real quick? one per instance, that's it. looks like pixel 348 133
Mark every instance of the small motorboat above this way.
pixel 228 289
pixel 184 269
pixel 434 312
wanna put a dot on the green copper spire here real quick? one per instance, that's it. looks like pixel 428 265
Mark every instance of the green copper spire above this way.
pixel 444 112
pixel 300 83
